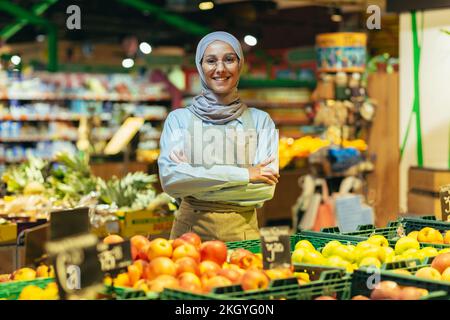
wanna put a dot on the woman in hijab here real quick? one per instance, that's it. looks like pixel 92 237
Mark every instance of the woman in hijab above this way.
pixel 219 158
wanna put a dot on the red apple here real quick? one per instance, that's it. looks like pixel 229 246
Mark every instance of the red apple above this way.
pixel 325 298
pixel 254 279
pixel 231 274
pixel 386 290
pixel 441 262
pixel 137 243
pixel 141 265
pixel 214 250
pixel 187 264
pixel 360 297
pixel 142 254
pixel 163 281
pixel 186 250
pixel 237 255
pixel 112 238
pixel 134 273
pixel 178 242
pixel 190 282
pixel 159 247
pixel 209 268
pixel 216 281
pixel 159 266
pixel 192 238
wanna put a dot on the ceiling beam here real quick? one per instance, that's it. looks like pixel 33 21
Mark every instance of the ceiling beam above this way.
pixel 37 10
pixel 172 19
pixel 28 17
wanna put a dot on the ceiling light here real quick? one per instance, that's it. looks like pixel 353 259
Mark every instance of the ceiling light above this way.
pixel 336 15
pixel 145 48
pixel 127 63
pixel 250 40
pixel 16 60
pixel 206 5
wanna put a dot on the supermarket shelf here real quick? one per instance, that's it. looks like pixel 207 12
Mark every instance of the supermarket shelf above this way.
pixel 74 117
pixel 40 118
pixel 266 104
pixel 21 160
pixel 35 139
pixel 277 83
pixel 112 98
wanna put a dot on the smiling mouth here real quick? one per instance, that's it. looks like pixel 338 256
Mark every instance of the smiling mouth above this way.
pixel 221 78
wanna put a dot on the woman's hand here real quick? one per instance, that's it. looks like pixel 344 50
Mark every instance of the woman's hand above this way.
pixel 261 173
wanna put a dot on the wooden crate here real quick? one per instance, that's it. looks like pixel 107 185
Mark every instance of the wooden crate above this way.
pixel 427 179
pixel 424 204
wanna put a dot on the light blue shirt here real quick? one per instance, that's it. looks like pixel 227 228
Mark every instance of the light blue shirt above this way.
pixel 225 183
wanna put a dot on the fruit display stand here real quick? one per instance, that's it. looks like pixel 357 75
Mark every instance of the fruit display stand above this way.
pixel 124 293
pixel 416 224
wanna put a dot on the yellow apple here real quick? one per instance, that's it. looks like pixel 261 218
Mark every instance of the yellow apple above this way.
pixel 305 244
pixel 373 251
pixel 378 240
pixel 328 250
pixel 314 257
pixel 446 250
pixel 298 256
pixel 447 237
pixel 430 235
pixel 402 272
pixel 386 254
pixel 406 243
pixel 413 234
pixel 428 273
pixel 344 252
pixel 429 251
pixel 446 274
pixel 370 261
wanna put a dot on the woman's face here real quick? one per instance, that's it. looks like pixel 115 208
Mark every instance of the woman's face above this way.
pixel 220 66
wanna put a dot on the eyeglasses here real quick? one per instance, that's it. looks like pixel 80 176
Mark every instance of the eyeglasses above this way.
pixel 228 61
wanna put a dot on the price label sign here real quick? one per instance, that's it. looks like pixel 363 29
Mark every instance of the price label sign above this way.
pixel 77 267
pixel 66 223
pixel 276 247
pixel 114 258
pixel 445 202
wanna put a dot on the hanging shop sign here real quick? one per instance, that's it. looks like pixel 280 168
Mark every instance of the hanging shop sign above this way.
pixel 342 51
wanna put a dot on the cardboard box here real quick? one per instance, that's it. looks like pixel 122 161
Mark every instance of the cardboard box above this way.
pixel 147 223
pixel 427 179
pixel 424 204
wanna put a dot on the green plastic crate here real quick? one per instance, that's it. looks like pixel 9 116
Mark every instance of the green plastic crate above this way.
pixel 320 239
pixel 125 293
pixel 331 282
pixel 360 278
pixel 176 294
pixel 416 224
pixel 390 232
pixel 11 290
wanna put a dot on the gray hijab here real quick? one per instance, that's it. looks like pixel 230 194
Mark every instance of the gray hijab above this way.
pixel 206 106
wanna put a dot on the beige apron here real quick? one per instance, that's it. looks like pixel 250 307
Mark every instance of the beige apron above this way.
pixel 218 220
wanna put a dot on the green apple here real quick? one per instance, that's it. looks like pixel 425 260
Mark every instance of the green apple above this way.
pixel 406 243
pixel 378 240
pixel 328 250
pixel 298 256
pixel 304 244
